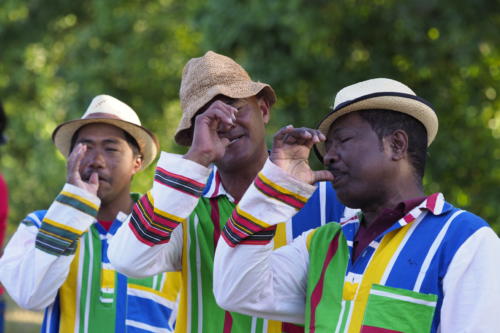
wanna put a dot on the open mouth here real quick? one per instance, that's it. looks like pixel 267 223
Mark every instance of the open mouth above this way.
pixel 234 139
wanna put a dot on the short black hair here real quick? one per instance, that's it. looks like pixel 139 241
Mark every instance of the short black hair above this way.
pixel 385 122
pixel 129 138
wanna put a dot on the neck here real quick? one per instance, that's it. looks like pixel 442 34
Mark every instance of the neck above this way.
pixel 237 181
pixel 372 211
pixel 109 209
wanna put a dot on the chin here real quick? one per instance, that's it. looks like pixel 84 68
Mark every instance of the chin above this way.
pixel 233 162
pixel 348 200
pixel 102 194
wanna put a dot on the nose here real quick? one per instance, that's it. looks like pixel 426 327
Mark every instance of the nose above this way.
pixel 95 159
pixel 331 156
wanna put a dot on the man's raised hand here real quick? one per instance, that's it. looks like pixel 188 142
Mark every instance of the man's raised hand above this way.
pixel 74 177
pixel 291 148
pixel 207 145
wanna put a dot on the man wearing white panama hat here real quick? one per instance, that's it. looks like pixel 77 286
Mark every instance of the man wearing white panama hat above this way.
pixel 409 262
pixel 56 261
pixel 176 226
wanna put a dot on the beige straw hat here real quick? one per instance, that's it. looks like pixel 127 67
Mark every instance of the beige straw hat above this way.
pixel 208 76
pixel 109 110
pixel 382 94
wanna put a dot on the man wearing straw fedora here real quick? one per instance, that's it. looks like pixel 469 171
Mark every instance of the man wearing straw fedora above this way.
pixel 56 260
pixel 408 262
pixel 176 226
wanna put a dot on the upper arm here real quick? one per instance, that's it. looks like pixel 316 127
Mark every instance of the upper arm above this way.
pixel 471 286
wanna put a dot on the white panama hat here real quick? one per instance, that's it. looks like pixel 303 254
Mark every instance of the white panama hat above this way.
pixel 379 94
pixel 106 109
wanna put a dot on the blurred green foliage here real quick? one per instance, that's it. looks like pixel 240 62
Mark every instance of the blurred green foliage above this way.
pixel 55 58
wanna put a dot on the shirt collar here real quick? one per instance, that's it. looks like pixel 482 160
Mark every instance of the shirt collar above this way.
pixel 214 187
pixel 434 203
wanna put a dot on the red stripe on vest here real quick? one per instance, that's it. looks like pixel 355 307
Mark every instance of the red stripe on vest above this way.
pixel 291 328
pixel 371 329
pixel 215 217
pixel 318 289
pixel 228 322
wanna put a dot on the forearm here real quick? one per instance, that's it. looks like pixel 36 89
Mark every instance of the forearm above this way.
pixel 251 278
pixel 151 241
pixel 37 259
pixel 31 276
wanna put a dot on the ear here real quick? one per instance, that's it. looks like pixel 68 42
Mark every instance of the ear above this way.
pixel 137 164
pixel 398 144
pixel 265 108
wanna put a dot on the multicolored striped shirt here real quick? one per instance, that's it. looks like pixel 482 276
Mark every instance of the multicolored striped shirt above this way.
pixel 57 261
pixel 434 270
pixel 177 226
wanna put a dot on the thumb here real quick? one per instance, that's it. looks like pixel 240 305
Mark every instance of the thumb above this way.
pixel 322 175
pixel 94 179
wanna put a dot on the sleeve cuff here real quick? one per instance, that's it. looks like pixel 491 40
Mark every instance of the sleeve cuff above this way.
pixel 278 176
pixel 274 197
pixel 173 167
pixel 177 187
pixel 69 216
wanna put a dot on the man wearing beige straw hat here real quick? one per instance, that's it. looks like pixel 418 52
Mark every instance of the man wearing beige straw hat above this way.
pixel 176 226
pixel 409 262
pixel 57 262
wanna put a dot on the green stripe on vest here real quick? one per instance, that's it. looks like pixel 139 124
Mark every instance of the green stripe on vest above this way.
pixel 328 258
pixel 212 317
pixel 399 309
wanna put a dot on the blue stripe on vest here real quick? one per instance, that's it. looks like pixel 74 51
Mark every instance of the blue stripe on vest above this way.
pixel 148 312
pixel 309 216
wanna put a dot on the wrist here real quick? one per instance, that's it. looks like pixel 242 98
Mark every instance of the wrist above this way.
pixel 200 158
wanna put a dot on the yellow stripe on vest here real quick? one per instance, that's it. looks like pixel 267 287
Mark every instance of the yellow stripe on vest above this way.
pixel 279 241
pixel 172 286
pixel 374 272
pixel 68 295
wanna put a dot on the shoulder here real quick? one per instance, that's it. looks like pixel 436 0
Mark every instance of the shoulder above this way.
pixel 456 227
pixel 461 222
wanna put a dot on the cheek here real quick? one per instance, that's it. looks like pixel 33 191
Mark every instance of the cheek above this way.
pixel 113 164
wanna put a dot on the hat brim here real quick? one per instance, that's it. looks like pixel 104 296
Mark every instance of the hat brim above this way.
pixel 411 105
pixel 243 90
pixel 147 141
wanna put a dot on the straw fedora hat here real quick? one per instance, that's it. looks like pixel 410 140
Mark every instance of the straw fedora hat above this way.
pixel 381 94
pixel 208 76
pixel 109 110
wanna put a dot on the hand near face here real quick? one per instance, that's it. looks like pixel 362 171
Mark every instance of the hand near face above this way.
pixel 208 145
pixel 291 148
pixel 74 177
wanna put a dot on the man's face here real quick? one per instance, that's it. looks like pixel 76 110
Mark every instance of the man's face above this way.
pixel 110 155
pixel 247 137
pixel 359 162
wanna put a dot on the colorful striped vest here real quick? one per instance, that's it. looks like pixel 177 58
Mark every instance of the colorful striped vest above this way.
pixel 396 283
